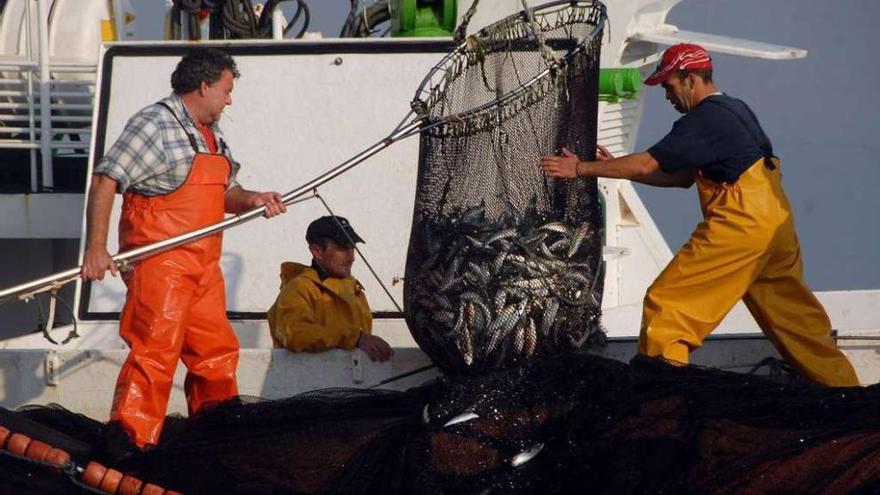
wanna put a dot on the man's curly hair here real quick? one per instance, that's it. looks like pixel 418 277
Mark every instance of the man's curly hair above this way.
pixel 201 65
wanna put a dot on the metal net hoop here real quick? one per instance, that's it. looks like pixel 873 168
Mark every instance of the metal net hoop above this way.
pixel 508 66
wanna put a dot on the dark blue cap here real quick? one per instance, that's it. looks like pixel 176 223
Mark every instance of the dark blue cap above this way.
pixel 336 229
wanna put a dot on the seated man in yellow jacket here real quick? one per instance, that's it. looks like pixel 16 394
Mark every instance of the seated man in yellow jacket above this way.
pixel 322 306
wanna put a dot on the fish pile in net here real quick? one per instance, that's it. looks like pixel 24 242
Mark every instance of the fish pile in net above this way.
pixel 504 264
pixel 500 289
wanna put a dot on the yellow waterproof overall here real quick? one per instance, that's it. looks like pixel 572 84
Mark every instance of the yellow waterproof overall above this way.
pixel 745 248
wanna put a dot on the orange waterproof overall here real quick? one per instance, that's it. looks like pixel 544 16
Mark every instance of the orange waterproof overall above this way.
pixel 745 248
pixel 176 304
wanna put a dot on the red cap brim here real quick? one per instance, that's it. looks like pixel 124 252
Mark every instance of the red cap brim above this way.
pixel 658 76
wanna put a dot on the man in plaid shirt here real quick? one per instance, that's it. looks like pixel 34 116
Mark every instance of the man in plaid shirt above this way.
pixel 176 174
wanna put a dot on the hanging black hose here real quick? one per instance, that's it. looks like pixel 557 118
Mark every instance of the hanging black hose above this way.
pixel 362 21
pixel 234 19
pixel 239 19
pixel 192 9
pixel 302 10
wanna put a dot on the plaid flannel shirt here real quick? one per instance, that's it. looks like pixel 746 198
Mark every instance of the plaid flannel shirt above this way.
pixel 153 155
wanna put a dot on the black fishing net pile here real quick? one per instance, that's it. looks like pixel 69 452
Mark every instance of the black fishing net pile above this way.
pixel 504 264
pixel 575 424
pixel 503 289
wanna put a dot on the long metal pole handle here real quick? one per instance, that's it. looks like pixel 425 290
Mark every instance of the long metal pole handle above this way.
pixel 56 280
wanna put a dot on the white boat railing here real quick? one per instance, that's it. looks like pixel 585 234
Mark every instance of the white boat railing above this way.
pixel 31 87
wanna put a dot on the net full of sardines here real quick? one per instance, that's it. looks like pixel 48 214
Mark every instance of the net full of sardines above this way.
pixel 504 264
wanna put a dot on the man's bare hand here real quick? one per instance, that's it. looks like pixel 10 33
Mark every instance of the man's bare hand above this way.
pixel 375 347
pixel 272 201
pixel 96 262
pixel 563 166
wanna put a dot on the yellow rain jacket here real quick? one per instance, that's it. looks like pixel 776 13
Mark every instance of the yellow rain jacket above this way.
pixel 745 248
pixel 314 315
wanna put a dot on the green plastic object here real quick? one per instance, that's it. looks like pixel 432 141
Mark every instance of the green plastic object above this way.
pixel 423 18
pixel 617 84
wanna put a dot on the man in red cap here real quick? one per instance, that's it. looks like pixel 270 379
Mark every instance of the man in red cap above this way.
pixel 745 248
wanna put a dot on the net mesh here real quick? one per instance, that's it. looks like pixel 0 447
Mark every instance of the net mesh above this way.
pixel 504 264
pixel 575 424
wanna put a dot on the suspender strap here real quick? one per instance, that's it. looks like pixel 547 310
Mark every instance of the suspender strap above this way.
pixel 221 144
pixel 192 139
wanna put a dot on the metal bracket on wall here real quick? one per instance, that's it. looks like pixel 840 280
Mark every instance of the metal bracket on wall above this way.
pixel 357 367
pixel 51 363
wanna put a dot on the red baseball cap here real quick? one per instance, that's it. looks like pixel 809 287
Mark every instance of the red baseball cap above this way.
pixel 683 56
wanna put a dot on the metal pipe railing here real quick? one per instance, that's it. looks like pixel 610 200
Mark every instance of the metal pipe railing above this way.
pixel 22 144
pixel 55 118
pixel 45 97
pixel 19 130
pixel 52 106
pixel 7 65
pixel 35 186
pixel 118 20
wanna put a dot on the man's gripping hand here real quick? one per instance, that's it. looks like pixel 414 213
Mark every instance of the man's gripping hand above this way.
pixel 375 347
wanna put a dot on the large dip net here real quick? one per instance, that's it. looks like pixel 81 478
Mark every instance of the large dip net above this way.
pixel 502 290
pixel 504 265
